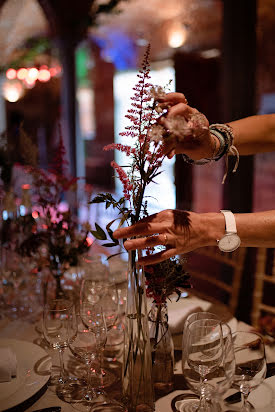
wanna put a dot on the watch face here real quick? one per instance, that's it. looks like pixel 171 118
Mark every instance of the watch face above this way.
pixel 229 242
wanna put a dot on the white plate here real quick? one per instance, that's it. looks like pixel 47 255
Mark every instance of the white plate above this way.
pixel 33 372
pixel 263 397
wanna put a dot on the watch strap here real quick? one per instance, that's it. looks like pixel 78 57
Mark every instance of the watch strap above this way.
pixel 230 222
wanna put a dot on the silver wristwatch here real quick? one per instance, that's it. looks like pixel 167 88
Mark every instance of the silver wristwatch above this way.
pixel 230 241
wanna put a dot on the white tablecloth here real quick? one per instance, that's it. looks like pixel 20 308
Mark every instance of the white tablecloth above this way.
pixel 21 330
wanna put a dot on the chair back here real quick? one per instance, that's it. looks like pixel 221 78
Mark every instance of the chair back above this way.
pixel 264 285
pixel 217 275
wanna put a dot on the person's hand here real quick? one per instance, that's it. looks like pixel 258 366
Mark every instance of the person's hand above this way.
pixel 188 129
pixel 178 231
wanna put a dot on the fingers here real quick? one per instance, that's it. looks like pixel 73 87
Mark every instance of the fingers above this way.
pixel 146 242
pixel 147 226
pixel 157 257
pixel 173 98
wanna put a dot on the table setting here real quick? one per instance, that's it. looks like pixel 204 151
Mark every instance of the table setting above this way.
pixel 36 360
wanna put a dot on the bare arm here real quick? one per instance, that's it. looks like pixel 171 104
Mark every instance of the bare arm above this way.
pixel 182 232
pixel 255 134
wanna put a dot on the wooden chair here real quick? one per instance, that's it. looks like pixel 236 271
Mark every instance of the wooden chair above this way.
pixel 216 275
pixel 263 301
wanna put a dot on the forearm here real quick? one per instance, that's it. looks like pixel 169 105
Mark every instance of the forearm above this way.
pixel 255 134
pixel 254 229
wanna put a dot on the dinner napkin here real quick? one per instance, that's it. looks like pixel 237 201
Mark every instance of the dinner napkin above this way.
pixel 178 312
pixel 8 364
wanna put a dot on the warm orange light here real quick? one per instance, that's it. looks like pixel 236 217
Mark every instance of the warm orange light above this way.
pixel 11 74
pixel 22 73
pixel 26 186
pixel 44 75
pixel 12 90
pixel 35 214
pixel 52 71
pixel 29 83
pixel 33 73
pixel 89 241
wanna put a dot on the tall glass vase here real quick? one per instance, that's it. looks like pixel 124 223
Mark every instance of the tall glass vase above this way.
pixel 162 347
pixel 137 368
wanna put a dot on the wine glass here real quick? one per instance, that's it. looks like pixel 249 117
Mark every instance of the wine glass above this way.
pixel 221 379
pixel 102 293
pixel 204 353
pixel 89 342
pixel 57 315
pixel 85 347
pixel 250 359
pixel 192 318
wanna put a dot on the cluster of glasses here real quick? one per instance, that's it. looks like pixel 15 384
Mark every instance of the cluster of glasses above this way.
pixel 86 329
pixel 214 359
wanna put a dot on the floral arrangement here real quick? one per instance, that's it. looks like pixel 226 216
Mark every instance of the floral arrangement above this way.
pixel 145 153
pixel 146 157
pixel 48 233
pixel 165 279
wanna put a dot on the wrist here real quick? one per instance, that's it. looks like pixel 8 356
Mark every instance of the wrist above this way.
pixel 214 227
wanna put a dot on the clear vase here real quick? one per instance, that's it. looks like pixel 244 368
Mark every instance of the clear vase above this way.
pixel 162 348
pixel 137 366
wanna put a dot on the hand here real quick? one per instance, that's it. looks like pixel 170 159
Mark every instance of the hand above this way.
pixel 189 129
pixel 178 231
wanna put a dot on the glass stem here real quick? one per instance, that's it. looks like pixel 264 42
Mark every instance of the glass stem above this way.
pixel 202 393
pixel 245 405
pixel 62 367
pixel 90 390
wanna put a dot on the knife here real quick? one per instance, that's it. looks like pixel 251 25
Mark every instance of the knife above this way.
pixel 50 409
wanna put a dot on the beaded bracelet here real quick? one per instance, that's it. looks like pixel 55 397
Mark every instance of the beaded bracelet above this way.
pixel 203 161
pixel 224 133
pixel 227 132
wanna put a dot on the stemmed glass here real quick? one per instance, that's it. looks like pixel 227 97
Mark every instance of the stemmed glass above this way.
pixel 221 379
pixel 85 347
pixel 250 364
pixel 204 354
pixel 103 294
pixel 58 315
pixel 89 343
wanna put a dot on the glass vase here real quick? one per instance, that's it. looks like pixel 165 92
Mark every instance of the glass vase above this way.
pixel 137 366
pixel 162 348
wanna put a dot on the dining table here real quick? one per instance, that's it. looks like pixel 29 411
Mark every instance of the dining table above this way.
pixel 31 392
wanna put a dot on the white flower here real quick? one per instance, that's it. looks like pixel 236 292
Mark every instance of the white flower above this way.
pixel 178 126
pixel 156 133
pixel 156 92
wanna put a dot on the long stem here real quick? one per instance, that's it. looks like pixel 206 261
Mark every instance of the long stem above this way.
pixel 202 393
pixel 245 405
pixel 62 378
pixel 90 394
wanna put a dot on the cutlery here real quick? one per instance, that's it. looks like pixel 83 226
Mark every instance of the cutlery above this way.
pixel 236 397
pixel 50 409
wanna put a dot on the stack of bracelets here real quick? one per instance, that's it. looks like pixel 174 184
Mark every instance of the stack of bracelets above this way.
pixel 224 134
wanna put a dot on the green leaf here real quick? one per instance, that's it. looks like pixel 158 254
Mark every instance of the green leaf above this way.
pixel 115 254
pixel 99 233
pixel 110 224
pixel 97 199
pixel 110 244
pixel 110 233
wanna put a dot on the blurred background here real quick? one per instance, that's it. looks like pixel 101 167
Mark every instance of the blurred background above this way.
pixel 74 63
